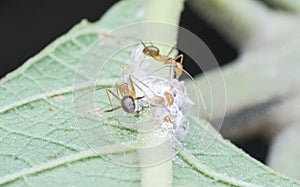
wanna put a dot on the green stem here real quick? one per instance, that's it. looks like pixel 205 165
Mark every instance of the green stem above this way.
pixel 165 12
pixel 291 5
pixel 257 82
pixel 155 159
pixel 237 20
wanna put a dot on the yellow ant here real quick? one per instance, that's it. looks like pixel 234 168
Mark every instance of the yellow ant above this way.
pixel 154 52
pixel 126 94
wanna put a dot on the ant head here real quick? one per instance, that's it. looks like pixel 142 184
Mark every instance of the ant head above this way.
pixel 151 51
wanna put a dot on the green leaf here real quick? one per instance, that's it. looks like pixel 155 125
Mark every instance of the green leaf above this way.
pixel 41 145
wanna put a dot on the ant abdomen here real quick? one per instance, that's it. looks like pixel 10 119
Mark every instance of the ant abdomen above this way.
pixel 128 104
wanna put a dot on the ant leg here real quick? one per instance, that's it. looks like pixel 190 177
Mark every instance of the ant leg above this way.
pixel 159 69
pixel 143 43
pixel 179 57
pixel 117 87
pixel 171 50
pixel 169 53
pixel 113 109
pixel 178 65
pixel 109 99
pixel 115 95
pixel 141 82
pixel 138 98
pixel 132 86
pixel 172 67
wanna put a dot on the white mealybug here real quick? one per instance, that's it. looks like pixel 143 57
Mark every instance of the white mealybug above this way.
pixel 165 95
pixel 146 113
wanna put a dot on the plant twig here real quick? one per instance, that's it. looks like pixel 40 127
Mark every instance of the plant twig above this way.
pixel 291 5
pixel 285 150
pixel 236 20
pixel 166 11
pixel 258 82
pixel 263 82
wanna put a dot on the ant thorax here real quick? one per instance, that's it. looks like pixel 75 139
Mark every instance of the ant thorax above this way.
pixel 166 97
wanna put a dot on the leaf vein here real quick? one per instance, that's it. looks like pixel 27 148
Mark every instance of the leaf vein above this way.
pixel 116 148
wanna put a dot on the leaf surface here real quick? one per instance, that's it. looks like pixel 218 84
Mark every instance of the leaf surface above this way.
pixel 40 144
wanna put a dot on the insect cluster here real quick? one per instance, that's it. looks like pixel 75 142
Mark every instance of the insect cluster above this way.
pixel 141 90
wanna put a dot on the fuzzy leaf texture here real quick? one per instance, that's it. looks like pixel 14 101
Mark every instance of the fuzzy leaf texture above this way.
pixel 40 144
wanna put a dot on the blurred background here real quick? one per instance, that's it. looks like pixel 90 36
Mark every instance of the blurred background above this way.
pixel 29 26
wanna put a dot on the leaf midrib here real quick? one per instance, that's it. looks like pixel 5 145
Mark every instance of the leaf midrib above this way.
pixel 202 169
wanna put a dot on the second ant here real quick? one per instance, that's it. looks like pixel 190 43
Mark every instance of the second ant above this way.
pixel 154 52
